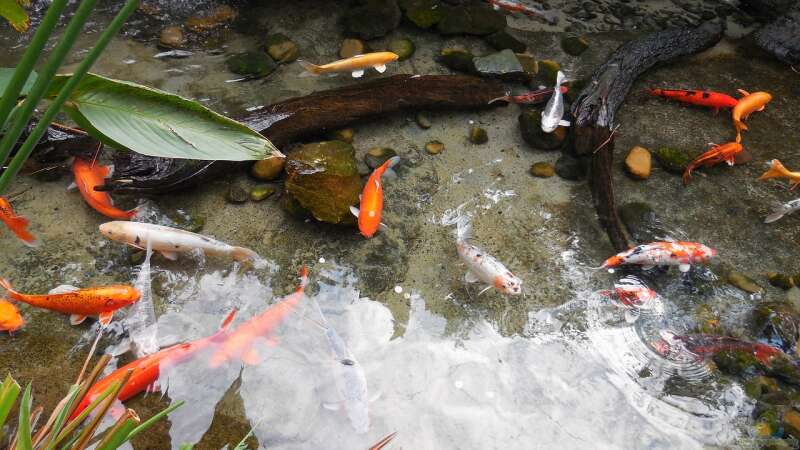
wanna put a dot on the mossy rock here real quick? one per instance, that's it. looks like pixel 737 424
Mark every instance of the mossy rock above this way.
pixel 478 136
pixel 571 168
pixel 370 19
pixel 502 40
pixel 736 362
pixel 777 321
pixel 743 282
pixel 423 13
pixel 574 45
pixel 476 19
pixel 543 169
pixel 548 71
pixel 323 179
pixel 673 160
pixel 529 64
pixel 403 48
pixel 251 64
pixel 457 59
pixel 281 48
pixel 708 320
pixel 781 280
pixel 530 124
pixel 267 169
pixel 759 385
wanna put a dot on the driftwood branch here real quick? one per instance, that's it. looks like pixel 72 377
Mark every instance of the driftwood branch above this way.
pixel 594 109
pixel 323 111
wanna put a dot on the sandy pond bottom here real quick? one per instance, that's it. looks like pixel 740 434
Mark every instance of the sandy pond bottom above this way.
pixel 554 368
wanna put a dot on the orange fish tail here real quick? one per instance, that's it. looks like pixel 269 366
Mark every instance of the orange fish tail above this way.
pixel 687 173
pixel 19 226
pixel 5 284
pixel 776 170
pixel 740 126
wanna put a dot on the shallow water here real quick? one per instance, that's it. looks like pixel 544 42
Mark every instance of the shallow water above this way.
pixel 445 367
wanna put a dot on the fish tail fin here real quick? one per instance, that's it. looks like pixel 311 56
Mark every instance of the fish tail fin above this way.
pixel 463 229
pixel 776 215
pixel 310 70
pixel 19 226
pixel 687 173
pixel 560 78
pixel 5 284
pixel 740 126
pixel 655 92
pixel 776 170
pixel 388 172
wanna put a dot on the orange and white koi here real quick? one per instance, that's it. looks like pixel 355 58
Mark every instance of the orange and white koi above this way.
pixel 677 253
pixel 747 105
pixel 512 6
pixel 482 266
pixel 10 318
pixel 87 176
pixel 79 303
pixel 731 152
pixel 147 370
pixel 356 65
pixel 240 343
pixel 371 206
pixel 777 170
pixel 633 294
pixel 17 224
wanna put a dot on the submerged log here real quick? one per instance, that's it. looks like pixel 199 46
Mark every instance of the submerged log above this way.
pixel 594 109
pixel 323 111
pixel 781 38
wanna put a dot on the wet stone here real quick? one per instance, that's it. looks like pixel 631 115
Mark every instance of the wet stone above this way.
pixel 743 282
pixel 172 37
pixel 268 169
pixel 376 156
pixel 503 65
pixel 707 320
pixel 251 64
pixel 641 221
pixel 543 169
pixel 477 19
pixel 281 48
pixel 638 163
pixel 260 193
pixel 548 71
pixel 574 45
pixel 345 135
pixel 351 47
pixel 777 321
pixel 530 124
pixel 478 136
pixel 571 168
pixel 236 194
pixel 423 13
pixel 371 19
pixel 791 423
pixel 672 160
pixel 403 48
pixel 434 147
pixel 502 40
pixel 529 64
pixel 457 59
pixel 423 120
pixel 780 280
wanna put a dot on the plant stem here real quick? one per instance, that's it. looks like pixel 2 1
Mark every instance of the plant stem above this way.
pixel 23 115
pixel 25 66
pixel 41 127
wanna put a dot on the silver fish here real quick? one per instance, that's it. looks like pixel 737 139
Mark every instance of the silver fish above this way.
pixel 784 209
pixel 482 266
pixel 554 111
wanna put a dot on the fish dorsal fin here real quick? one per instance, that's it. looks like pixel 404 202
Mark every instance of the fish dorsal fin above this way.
pixel 63 289
pixel 470 277
pixel 76 319
pixel 358 73
pixel 743 92
pixel 380 68
pixel 105 317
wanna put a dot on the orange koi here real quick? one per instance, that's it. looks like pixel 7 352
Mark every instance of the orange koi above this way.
pixel 747 105
pixel 239 344
pixel 87 176
pixel 148 369
pixel 79 303
pixel 777 170
pixel 732 152
pixel 17 224
pixel 10 318
pixel 714 100
pixel 369 212
pixel 356 65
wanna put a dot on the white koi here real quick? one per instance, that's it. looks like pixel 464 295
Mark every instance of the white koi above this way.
pixel 554 110
pixel 784 209
pixel 482 266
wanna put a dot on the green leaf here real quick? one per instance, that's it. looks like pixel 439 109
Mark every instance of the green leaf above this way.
pixel 15 15
pixel 9 391
pixel 157 123
pixel 24 437
pixel 58 425
pixel 149 422
pixel 5 77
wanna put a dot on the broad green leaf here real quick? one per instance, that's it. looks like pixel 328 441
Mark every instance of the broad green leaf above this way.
pixel 5 77
pixel 24 436
pixel 9 391
pixel 16 16
pixel 157 123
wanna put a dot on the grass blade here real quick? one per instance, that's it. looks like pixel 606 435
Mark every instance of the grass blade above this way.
pixel 24 428
pixel 63 409
pixel 149 422
pixel 9 391
pixel 120 431
pixel 88 432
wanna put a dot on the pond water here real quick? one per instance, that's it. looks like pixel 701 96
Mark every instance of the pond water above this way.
pixel 558 366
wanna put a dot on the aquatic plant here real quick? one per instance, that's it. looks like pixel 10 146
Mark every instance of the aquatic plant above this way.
pixel 14 13
pixel 76 434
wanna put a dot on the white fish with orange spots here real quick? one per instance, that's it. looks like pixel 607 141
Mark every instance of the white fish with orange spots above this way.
pixel 483 267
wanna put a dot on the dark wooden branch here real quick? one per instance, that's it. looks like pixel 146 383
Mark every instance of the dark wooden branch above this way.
pixel 293 119
pixel 594 109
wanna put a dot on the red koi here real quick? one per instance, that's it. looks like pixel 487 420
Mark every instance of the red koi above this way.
pixel 732 152
pixel 709 99
pixel 705 345
pixel 529 98
pixel 17 224
pixel 530 11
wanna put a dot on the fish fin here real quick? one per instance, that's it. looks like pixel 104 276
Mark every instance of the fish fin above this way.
pixel 105 318
pixel 76 319
pixel 564 123
pixel 354 211
pixel 380 68
pixel 631 315
pixel 310 70
pixel 463 229
pixel 484 289
pixel 332 406
pixel 743 93
pixel 251 357
pixel 18 225
pixel 776 170
pixel 243 254
pixel 775 216
pixel 172 256
pixel 470 277
pixel 72 187
pixel 360 197
pixel 63 289
pixel 358 73
pixel 647 267
pixel 389 174
pixel 743 157
pixel 684 267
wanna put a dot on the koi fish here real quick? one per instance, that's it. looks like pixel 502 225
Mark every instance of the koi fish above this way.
pixel 239 344
pixel 371 206
pixel 554 110
pixel 528 98
pixel 141 318
pixel 784 209
pixel 350 379
pixel 383 442
pixel 678 253
pixel 777 170
pixel 732 152
pixel 147 370
pixel 482 266
pixel 356 65
pixel 79 303
pixel 709 99
pixel 171 241
pixel 10 318
pixel 87 177
pixel 706 345
pixel 17 224
pixel 531 11
pixel 747 105
pixel 632 294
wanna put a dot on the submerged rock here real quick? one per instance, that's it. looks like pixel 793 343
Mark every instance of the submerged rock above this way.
pixel 760 385
pixel 707 320
pixel 574 45
pixel 324 180
pixel 376 156
pixel 529 64
pixel 781 280
pixel 371 19
pixel 345 134
pixel 260 193
pixel 672 160
pixel 403 48
pixel 548 71
pixel 236 194
pixel 530 124
pixel 251 64
pixel 477 19
pixel 423 13
pixel 743 282
pixel 543 169
pixel 638 163
pixel 457 59
pixel 571 168
pixel 281 48
pixel 268 169
pixel 777 321
pixel 791 423
pixel 352 47
pixel 172 37
pixel 434 147
pixel 641 221
pixel 477 135
pixel 503 65
pixel 503 40
pixel 423 120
